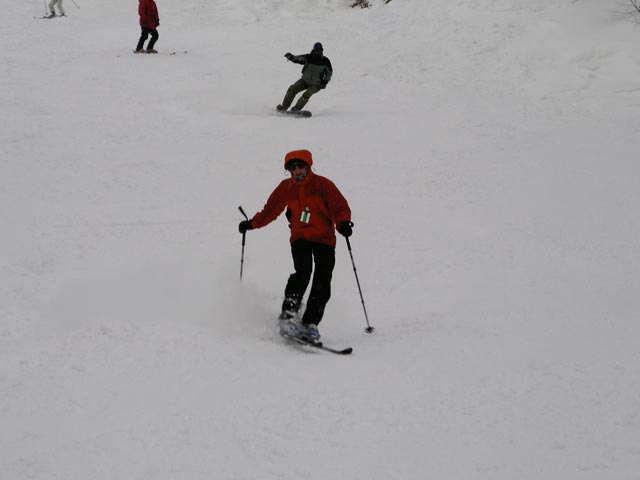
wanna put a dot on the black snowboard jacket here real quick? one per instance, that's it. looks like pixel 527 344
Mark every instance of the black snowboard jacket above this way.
pixel 317 69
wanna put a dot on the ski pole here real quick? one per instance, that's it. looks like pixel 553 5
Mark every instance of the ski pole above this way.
pixel 369 328
pixel 243 238
pixel 74 2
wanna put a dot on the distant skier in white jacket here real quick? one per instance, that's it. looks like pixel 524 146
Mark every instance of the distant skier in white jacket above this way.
pixel 52 4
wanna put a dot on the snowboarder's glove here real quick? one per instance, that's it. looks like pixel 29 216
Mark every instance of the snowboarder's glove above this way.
pixel 244 226
pixel 288 56
pixel 323 84
pixel 157 23
pixel 344 228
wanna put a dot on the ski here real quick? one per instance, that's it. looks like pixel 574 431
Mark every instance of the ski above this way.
pixel 158 53
pixel 320 346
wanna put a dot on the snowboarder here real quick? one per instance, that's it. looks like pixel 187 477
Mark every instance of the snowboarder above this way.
pixel 149 22
pixel 52 4
pixel 316 74
pixel 315 208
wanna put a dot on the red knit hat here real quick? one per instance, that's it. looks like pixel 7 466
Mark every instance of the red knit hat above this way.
pixel 303 155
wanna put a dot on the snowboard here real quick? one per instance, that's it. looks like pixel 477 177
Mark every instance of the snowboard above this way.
pixel 295 113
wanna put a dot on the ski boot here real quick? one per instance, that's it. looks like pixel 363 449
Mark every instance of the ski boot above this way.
pixel 309 333
pixel 289 328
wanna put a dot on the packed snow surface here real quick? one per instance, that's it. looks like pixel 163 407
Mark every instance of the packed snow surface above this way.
pixel 489 152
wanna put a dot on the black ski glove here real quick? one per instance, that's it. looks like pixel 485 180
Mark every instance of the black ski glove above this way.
pixel 344 228
pixel 323 84
pixel 244 226
pixel 288 56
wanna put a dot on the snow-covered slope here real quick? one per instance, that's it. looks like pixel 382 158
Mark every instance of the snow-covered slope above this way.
pixel 488 151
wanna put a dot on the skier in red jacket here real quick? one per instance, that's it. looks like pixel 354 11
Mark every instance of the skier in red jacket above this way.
pixel 315 208
pixel 149 22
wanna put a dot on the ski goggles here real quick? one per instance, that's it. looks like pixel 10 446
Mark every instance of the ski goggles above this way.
pixel 294 165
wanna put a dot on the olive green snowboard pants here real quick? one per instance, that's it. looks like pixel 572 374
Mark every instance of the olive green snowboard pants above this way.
pixel 296 88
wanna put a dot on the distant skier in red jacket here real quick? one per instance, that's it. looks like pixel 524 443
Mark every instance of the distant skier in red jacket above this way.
pixel 314 207
pixel 149 22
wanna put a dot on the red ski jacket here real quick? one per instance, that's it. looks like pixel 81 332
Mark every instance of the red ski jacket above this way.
pixel 314 207
pixel 148 12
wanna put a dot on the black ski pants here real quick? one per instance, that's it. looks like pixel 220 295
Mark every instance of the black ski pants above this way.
pixel 145 34
pixel 305 254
